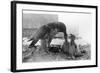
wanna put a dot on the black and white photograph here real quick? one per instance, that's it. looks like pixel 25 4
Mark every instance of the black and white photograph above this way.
pixel 54 36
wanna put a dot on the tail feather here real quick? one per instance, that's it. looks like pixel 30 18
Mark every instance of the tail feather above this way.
pixel 32 44
pixel 34 41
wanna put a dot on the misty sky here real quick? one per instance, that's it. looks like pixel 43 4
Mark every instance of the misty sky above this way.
pixel 79 24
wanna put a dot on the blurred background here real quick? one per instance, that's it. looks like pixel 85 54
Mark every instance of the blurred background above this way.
pixel 78 24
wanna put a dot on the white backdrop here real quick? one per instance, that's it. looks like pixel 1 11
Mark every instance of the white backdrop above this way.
pixel 5 36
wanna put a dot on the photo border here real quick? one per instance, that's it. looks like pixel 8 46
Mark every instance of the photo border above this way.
pixel 14 28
